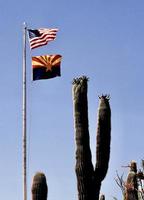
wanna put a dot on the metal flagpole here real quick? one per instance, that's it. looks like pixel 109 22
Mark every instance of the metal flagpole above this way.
pixel 24 135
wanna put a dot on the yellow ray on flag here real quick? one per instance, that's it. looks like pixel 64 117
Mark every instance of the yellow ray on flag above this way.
pixel 46 66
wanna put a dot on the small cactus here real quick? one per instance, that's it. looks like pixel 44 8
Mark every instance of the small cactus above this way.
pixel 39 187
pixel 131 185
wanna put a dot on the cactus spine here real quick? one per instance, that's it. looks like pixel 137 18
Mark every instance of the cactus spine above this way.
pixel 88 179
pixel 39 187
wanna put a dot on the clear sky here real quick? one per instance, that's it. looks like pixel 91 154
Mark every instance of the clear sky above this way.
pixel 103 40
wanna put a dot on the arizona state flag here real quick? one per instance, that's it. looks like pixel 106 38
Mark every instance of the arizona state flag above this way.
pixel 46 66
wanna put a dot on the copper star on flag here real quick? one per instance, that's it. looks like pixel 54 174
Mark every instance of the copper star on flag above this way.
pixel 46 66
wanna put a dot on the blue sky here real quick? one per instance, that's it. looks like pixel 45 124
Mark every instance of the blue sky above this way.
pixel 103 40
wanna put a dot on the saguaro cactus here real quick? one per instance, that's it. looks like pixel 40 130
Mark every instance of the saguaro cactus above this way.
pixel 131 185
pixel 89 179
pixel 39 187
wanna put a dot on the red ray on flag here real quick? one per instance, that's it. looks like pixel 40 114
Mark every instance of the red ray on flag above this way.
pixel 46 66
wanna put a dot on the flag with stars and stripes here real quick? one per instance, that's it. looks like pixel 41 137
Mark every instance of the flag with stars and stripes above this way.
pixel 40 37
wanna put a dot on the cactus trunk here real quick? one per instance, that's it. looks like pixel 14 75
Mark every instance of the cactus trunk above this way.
pixel 39 187
pixel 88 179
pixel 84 168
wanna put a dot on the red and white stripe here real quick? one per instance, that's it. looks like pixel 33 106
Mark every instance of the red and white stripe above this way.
pixel 46 36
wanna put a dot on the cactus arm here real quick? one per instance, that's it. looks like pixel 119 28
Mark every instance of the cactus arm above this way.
pixel 103 138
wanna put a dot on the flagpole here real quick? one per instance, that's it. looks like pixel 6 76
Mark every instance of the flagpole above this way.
pixel 24 135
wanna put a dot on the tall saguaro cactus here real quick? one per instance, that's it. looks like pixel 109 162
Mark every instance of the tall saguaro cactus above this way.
pixel 39 187
pixel 89 179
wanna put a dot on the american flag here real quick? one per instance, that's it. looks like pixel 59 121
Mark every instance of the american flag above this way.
pixel 40 37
